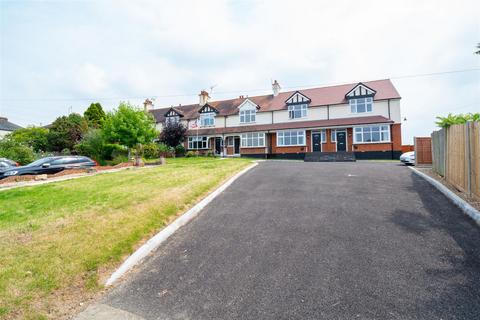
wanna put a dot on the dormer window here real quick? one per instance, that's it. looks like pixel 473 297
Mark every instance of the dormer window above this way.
pixel 207 116
pixel 172 120
pixel 361 105
pixel 207 119
pixel 360 98
pixel 247 111
pixel 297 105
pixel 247 116
pixel 172 116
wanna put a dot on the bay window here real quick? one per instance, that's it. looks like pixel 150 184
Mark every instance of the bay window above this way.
pixel 366 134
pixel 297 111
pixel 247 116
pixel 207 119
pixel 291 138
pixel 197 142
pixel 361 105
pixel 253 139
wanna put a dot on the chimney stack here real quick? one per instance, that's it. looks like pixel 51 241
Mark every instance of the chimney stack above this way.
pixel 276 88
pixel 148 105
pixel 203 98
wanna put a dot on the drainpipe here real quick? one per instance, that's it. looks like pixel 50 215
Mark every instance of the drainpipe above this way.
pixel 389 116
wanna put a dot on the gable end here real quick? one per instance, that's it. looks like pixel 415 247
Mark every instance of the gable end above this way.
pixel 297 98
pixel 207 109
pixel 173 113
pixel 360 91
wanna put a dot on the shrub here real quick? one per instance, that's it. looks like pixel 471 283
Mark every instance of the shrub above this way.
pixel 35 137
pixel 210 153
pixel 112 150
pixel 180 150
pixel 119 159
pixel 92 145
pixel 151 150
pixel 165 150
pixel 16 151
pixel 190 154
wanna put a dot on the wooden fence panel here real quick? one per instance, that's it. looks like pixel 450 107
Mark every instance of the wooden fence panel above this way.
pixel 438 152
pixel 423 150
pixel 475 158
pixel 456 172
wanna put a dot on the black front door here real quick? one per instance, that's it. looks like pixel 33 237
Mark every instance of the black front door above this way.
pixel 236 143
pixel 341 141
pixel 218 145
pixel 317 142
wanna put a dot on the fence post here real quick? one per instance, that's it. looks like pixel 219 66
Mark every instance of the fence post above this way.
pixel 468 152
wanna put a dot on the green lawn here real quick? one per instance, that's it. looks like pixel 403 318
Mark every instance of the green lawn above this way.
pixel 58 240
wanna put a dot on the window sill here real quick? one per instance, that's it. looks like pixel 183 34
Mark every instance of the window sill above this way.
pixel 361 112
pixel 292 145
pixel 375 142
pixel 251 147
pixel 241 123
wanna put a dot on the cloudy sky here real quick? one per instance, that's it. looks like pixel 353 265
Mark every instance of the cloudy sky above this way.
pixel 59 56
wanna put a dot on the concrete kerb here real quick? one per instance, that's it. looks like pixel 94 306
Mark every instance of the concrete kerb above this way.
pixel 458 201
pixel 165 233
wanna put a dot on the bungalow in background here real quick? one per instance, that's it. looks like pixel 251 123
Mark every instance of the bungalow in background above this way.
pixel 7 127
pixel 362 119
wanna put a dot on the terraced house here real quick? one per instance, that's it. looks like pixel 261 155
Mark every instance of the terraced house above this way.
pixel 362 119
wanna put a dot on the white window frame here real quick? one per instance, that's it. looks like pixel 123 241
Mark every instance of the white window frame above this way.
pixel 199 139
pixel 333 135
pixel 295 108
pixel 210 116
pixel 281 135
pixel 365 131
pixel 367 102
pixel 172 119
pixel 247 140
pixel 248 116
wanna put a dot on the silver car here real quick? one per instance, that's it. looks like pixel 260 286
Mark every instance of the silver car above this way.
pixel 408 158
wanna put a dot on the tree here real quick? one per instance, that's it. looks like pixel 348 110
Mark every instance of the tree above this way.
pixel 173 134
pixel 445 122
pixel 478 47
pixel 129 126
pixel 95 115
pixel 34 137
pixel 66 131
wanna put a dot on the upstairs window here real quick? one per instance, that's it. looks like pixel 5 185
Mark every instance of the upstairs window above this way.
pixel 368 134
pixel 247 116
pixel 296 111
pixel 172 119
pixel 207 119
pixel 361 105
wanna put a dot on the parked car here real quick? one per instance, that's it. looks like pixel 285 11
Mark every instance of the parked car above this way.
pixel 50 165
pixel 408 158
pixel 6 164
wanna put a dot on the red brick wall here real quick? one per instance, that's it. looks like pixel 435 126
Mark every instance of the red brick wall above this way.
pixel 252 150
pixel 230 150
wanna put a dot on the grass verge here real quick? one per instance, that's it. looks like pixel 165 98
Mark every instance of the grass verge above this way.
pixel 57 239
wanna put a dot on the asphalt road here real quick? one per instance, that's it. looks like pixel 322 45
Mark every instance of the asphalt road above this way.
pixel 294 240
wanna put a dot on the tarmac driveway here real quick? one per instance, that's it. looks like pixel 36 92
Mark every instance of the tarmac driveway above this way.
pixel 294 240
